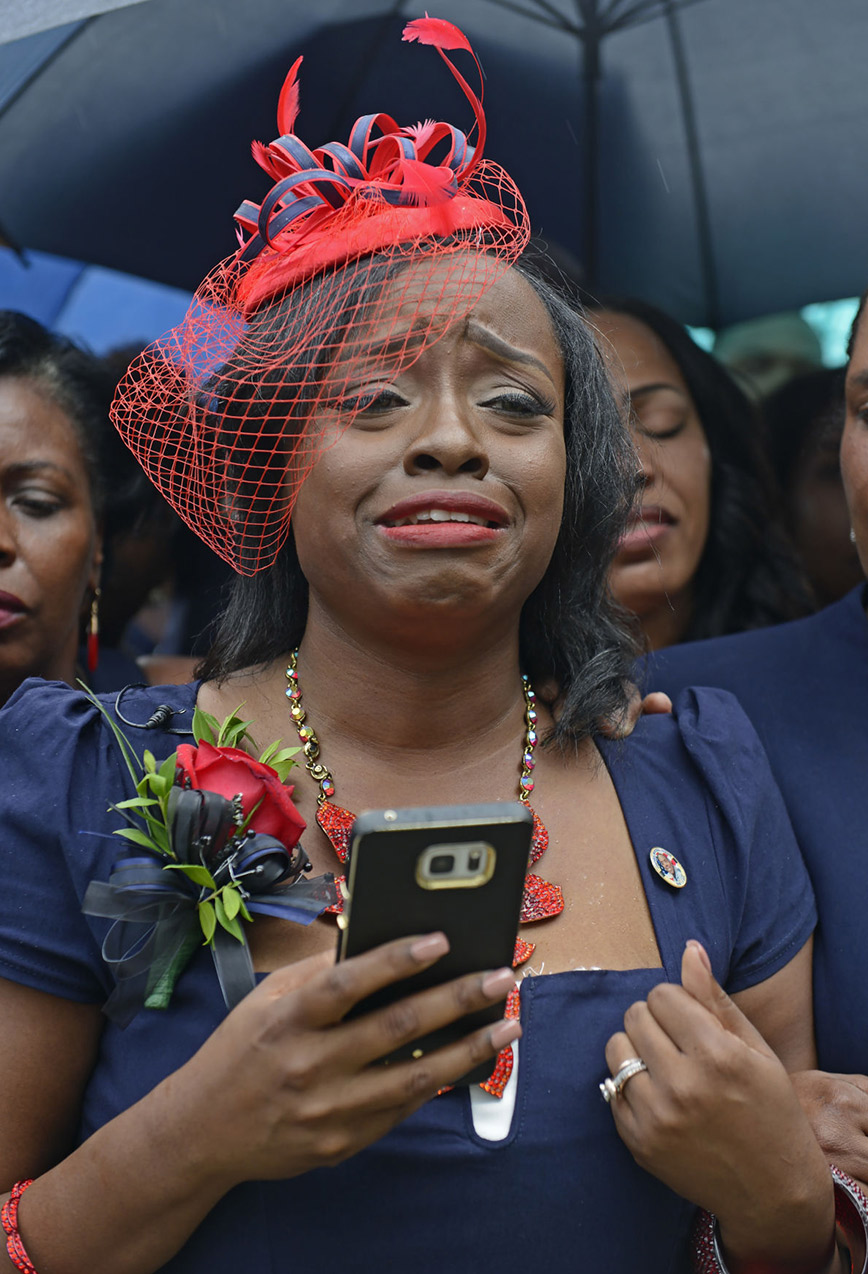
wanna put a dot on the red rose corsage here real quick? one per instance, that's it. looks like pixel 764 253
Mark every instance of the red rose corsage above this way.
pixel 216 835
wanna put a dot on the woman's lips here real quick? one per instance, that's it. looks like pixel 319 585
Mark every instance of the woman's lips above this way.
pixel 12 609
pixel 439 535
pixel 645 531
pixel 443 519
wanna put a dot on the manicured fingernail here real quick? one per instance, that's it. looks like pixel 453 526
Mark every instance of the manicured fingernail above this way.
pixel 700 949
pixel 498 983
pixel 504 1033
pixel 430 947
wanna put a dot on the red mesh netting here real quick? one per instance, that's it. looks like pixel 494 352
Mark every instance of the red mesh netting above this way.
pixel 359 258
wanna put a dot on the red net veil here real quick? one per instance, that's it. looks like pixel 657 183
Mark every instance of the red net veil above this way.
pixel 360 256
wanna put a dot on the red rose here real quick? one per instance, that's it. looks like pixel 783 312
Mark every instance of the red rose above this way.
pixel 231 772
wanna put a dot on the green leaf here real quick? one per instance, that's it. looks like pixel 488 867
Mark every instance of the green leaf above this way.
pixel 232 926
pixel 231 902
pixel 138 837
pixel 265 757
pixel 167 769
pixel 236 734
pixel 198 874
pixel 205 727
pixel 149 761
pixel 244 912
pixel 127 751
pixel 158 830
pixel 283 769
pixel 234 726
pixel 207 919
pixel 135 802
pixel 159 785
pixel 280 759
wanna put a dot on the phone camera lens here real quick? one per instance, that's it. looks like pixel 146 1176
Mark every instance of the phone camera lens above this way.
pixel 442 864
pixel 473 861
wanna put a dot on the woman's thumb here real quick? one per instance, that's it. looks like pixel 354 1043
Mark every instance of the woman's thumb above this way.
pixel 698 979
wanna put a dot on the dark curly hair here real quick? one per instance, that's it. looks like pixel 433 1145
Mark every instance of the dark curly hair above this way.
pixel 748 576
pixel 71 378
pixel 572 634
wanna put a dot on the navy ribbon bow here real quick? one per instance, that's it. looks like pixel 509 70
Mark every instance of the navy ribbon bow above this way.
pixel 154 911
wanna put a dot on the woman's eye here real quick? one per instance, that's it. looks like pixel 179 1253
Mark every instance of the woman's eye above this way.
pixel 373 401
pixel 513 403
pixel 658 431
pixel 38 506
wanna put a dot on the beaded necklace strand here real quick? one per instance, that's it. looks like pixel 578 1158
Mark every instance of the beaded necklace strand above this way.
pixel 541 898
pixel 321 775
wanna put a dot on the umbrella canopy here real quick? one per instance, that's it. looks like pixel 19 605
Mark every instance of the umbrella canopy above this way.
pixel 97 308
pixel 703 154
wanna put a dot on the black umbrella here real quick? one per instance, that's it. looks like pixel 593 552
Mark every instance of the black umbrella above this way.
pixel 705 154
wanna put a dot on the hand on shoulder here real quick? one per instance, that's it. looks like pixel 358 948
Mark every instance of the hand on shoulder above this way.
pixel 622 726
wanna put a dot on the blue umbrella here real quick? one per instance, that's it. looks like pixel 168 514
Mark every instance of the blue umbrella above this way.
pixel 705 154
pixel 99 308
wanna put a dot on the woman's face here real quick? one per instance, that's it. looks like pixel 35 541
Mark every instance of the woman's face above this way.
pixel 854 442
pixel 660 552
pixel 818 517
pixel 445 493
pixel 49 545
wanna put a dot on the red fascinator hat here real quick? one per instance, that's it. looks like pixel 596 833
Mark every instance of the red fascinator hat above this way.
pixel 360 256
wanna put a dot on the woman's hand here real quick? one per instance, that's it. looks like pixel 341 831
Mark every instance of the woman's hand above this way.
pixel 623 725
pixel 837 1108
pixel 283 1085
pixel 716 1118
pixel 297 1084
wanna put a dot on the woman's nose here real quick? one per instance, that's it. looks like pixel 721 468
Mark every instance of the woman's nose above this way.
pixel 449 441
pixel 8 543
pixel 646 454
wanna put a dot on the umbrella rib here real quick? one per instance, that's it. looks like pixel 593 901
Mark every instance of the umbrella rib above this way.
pixel 644 12
pixel 46 62
pixel 697 172
pixel 547 7
pixel 641 11
pixel 604 21
pixel 5 236
pixel 557 19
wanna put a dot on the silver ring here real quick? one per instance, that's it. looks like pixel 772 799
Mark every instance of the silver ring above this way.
pixel 612 1085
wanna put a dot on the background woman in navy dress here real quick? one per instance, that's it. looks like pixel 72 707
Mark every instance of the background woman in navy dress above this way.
pixel 805 687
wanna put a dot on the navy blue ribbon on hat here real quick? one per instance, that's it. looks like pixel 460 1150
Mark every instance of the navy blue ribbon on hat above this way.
pixel 313 187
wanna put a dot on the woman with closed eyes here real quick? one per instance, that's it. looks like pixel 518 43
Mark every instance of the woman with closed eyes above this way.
pixel 702 554
pixel 54 403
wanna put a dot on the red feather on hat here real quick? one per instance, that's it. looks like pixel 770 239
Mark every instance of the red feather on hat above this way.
pixel 288 102
pixel 445 35
pixel 436 31
pixel 424 184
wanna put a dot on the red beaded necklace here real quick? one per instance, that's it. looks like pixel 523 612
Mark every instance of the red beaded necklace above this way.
pixel 541 899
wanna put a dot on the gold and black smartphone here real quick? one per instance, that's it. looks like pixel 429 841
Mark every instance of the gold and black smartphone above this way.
pixel 455 868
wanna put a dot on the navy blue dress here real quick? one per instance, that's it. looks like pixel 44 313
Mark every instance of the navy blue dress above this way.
pixel 560 1192
pixel 804 686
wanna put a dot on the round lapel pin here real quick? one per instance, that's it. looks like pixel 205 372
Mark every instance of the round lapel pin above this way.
pixel 668 868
